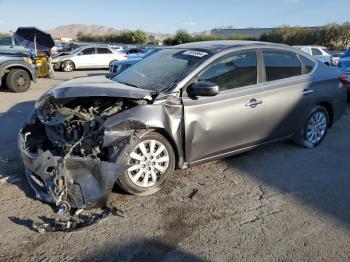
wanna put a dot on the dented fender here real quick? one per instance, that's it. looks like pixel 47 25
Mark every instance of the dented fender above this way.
pixel 165 116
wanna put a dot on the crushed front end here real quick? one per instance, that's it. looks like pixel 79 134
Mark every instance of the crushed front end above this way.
pixel 62 147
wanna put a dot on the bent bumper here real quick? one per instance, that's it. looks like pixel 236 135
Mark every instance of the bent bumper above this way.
pixel 87 181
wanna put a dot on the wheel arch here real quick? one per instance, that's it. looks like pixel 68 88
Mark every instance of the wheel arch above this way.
pixel 148 117
pixel 328 106
pixel 7 69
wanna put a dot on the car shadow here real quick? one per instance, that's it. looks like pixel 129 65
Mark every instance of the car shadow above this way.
pixel 141 250
pixel 11 167
pixel 316 178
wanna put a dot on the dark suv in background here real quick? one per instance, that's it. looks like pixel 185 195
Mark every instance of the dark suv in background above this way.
pixel 16 71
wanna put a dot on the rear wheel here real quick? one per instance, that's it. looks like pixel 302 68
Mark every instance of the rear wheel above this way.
pixel 18 80
pixel 315 128
pixel 151 161
pixel 68 66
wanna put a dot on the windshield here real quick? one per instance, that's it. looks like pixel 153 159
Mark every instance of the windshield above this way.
pixel 160 70
pixel 6 40
pixel 77 50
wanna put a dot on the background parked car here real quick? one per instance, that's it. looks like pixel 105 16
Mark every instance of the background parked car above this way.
pixel 344 62
pixel 88 57
pixel 344 65
pixel 135 52
pixel 119 66
pixel 319 52
pixel 16 71
pixel 335 57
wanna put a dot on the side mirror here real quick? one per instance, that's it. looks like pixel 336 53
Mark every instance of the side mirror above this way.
pixel 203 88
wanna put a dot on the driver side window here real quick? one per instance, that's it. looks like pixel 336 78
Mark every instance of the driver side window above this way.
pixel 233 71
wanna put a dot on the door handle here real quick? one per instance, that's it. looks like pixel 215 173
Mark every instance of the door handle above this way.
pixel 253 103
pixel 307 91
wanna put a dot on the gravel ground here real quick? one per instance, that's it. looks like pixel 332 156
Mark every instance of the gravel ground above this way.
pixel 276 203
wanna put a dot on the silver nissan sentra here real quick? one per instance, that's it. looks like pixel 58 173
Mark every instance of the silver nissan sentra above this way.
pixel 184 105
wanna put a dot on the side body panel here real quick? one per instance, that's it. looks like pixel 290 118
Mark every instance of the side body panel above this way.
pixel 220 124
pixel 287 102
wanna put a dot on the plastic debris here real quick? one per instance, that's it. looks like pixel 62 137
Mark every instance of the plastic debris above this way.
pixel 235 181
pixel 193 193
pixel 76 222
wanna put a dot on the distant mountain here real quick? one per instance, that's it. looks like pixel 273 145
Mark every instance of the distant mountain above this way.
pixel 73 29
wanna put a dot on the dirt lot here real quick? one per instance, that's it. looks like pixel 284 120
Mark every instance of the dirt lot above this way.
pixel 277 203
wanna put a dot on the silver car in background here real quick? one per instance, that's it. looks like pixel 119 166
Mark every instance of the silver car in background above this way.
pixel 181 106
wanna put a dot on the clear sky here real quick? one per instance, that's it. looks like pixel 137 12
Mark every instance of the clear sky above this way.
pixel 168 16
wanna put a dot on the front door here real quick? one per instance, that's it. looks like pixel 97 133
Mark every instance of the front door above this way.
pixel 231 120
pixel 86 58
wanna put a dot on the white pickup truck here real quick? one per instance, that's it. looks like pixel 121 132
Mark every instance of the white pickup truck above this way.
pixel 319 52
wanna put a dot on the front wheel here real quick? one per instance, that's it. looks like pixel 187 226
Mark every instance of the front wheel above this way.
pixel 68 66
pixel 18 80
pixel 151 162
pixel 314 130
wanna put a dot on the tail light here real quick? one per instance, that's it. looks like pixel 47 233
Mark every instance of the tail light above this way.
pixel 344 80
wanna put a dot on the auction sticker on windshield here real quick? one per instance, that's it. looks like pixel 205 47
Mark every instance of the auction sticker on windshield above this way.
pixel 195 53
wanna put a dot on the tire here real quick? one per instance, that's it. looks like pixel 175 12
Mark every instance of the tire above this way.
pixel 309 135
pixel 149 169
pixel 68 66
pixel 18 80
pixel 112 62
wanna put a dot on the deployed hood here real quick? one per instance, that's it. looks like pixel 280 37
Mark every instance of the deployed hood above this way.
pixel 95 86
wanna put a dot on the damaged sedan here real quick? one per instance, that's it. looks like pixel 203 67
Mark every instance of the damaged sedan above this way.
pixel 184 105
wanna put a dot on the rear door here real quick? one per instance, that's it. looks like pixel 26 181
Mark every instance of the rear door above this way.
pixel 103 57
pixel 85 58
pixel 231 120
pixel 288 93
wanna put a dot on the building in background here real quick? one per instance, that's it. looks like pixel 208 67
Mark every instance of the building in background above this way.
pixel 251 32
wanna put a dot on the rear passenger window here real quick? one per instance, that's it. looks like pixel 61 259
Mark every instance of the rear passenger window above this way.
pixel 308 64
pixel 88 51
pixel 280 65
pixel 103 51
pixel 234 71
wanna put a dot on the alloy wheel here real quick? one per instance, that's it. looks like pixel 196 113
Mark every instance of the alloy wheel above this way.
pixel 147 163
pixel 316 127
pixel 68 67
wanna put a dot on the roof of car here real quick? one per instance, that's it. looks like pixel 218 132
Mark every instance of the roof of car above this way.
pixel 216 46
pixel 317 46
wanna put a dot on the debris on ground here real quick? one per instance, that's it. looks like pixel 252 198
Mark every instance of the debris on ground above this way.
pixel 193 193
pixel 75 222
pixel 235 181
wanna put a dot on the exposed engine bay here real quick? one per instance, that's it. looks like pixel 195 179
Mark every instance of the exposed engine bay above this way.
pixel 62 148
pixel 75 126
